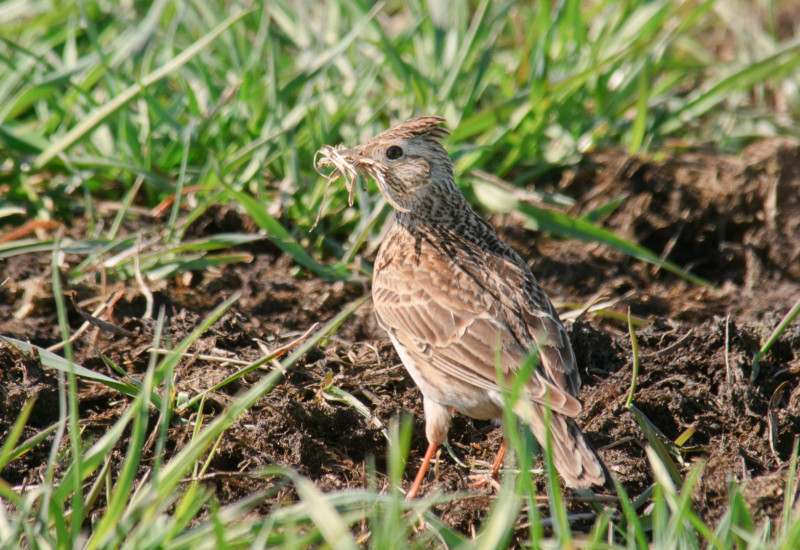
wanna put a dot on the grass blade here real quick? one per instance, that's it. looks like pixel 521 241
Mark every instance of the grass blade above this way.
pixel 97 116
pixel 785 322
pixel 556 223
pixel 635 352
pixel 281 236
pixel 51 360
pixel 7 452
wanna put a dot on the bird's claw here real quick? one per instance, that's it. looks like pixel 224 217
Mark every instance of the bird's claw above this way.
pixel 479 481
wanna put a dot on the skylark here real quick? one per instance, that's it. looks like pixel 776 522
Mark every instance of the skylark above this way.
pixel 448 290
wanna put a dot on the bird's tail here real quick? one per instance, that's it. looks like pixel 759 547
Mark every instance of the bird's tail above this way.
pixel 573 456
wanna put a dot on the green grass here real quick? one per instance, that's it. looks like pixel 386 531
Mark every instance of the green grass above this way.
pixel 109 108
pixel 141 104
pixel 165 508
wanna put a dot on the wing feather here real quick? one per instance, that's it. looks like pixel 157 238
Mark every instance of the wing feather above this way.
pixel 452 314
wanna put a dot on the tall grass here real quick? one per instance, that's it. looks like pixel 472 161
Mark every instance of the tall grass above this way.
pixel 147 101
pixel 108 108
pixel 169 507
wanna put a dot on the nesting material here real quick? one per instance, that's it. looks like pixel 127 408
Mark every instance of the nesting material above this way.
pixel 342 167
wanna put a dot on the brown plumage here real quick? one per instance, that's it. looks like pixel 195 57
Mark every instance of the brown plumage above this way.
pixel 445 288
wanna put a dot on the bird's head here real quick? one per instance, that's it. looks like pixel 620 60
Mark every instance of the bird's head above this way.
pixel 409 165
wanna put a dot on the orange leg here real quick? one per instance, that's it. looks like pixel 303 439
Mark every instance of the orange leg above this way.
pixel 412 492
pixel 498 462
pixel 493 478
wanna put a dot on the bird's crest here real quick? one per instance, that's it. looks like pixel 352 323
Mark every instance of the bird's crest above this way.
pixel 423 126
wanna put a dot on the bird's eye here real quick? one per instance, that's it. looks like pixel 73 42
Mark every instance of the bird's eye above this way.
pixel 394 152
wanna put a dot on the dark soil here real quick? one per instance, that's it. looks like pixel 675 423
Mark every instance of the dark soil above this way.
pixel 732 220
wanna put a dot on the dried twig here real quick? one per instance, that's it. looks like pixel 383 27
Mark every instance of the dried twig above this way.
pixel 85 326
pixel 99 323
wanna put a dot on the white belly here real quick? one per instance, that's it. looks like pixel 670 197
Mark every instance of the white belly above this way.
pixel 465 398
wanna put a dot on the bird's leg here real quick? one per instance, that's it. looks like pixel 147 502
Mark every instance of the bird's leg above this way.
pixel 493 478
pixel 412 492
pixel 498 461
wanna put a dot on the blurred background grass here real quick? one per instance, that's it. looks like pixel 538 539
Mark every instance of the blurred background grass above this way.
pixel 135 102
pixel 112 109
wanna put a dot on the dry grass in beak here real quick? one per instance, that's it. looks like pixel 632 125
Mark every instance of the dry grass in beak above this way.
pixel 341 168
pixel 331 157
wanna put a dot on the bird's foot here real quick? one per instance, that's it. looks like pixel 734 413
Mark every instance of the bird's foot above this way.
pixel 479 481
pixel 492 477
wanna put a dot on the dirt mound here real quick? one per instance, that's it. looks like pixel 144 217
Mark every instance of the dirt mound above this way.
pixel 725 218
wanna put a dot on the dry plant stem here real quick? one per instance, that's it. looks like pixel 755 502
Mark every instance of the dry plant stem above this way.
pixel 594 302
pixel 148 312
pixel 202 357
pixel 672 347
pixel 85 326
pixel 279 352
pixel 29 227
pixel 100 324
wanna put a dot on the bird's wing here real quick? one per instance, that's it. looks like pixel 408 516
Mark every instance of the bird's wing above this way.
pixel 455 310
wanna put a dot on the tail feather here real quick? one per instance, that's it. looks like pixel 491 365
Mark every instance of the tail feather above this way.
pixel 573 456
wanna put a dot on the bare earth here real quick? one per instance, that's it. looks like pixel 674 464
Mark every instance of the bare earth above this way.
pixel 732 220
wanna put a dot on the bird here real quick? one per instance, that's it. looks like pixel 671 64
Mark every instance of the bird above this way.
pixel 455 299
